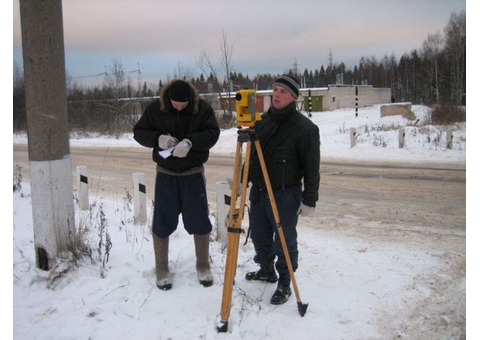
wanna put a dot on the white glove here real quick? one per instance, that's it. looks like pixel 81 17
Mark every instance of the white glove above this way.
pixel 167 141
pixel 305 210
pixel 182 148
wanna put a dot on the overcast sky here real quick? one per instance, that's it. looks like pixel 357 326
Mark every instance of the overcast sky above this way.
pixel 268 36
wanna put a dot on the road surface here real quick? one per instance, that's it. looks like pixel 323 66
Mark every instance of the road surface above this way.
pixel 412 199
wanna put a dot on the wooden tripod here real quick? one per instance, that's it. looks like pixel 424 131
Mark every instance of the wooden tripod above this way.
pixel 235 224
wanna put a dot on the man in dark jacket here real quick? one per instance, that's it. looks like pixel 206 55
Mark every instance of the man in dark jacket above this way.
pixel 180 128
pixel 291 147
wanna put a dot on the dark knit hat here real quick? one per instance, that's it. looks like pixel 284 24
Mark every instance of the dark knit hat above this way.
pixel 180 91
pixel 288 82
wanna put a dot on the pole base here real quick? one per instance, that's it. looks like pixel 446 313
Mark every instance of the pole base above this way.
pixel 222 326
pixel 302 308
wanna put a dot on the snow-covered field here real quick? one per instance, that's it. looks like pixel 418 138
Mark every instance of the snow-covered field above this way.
pixel 356 289
pixel 377 138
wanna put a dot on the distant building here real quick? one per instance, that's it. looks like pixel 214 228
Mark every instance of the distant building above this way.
pixel 336 97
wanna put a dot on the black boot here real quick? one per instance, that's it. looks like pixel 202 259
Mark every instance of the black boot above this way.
pixel 283 291
pixel 265 273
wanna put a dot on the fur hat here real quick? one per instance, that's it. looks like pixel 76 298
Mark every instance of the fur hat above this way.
pixel 180 91
pixel 290 83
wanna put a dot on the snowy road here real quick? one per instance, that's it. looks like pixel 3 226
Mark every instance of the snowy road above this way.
pixel 412 199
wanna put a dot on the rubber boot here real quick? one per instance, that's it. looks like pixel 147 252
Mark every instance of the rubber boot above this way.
pixel 283 291
pixel 265 273
pixel 160 246
pixel 202 243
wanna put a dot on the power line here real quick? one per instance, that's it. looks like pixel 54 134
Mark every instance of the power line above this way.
pixel 92 75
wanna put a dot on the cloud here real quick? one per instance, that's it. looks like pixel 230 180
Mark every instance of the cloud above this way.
pixel 264 34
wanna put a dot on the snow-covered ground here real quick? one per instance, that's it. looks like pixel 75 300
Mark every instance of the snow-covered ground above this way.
pixel 377 138
pixel 353 287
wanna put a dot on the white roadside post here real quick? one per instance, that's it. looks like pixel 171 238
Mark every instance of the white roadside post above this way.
pixel 449 139
pixel 139 199
pixel 353 137
pixel 82 187
pixel 222 190
pixel 401 138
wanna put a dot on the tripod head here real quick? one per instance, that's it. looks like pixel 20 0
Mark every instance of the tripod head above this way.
pixel 245 105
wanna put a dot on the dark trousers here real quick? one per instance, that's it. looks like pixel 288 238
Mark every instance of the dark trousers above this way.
pixel 175 195
pixel 264 231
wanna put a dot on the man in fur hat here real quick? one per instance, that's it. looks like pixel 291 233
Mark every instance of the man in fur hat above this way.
pixel 180 127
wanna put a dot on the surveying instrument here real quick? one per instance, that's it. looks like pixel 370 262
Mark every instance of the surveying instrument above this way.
pixel 246 119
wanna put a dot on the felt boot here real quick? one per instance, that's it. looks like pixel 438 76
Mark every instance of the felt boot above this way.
pixel 204 274
pixel 160 246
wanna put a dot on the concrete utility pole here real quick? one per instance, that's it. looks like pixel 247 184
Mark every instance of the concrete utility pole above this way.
pixel 47 124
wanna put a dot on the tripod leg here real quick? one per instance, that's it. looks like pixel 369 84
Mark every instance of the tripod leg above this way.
pixel 234 230
pixel 302 308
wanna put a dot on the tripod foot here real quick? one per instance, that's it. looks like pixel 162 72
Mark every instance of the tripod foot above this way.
pixel 222 327
pixel 302 308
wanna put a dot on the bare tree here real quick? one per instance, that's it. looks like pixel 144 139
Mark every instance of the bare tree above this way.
pixel 456 49
pixel 389 63
pixel 115 79
pixel 182 72
pixel 226 57
pixel 114 111
pixel 207 66
pixel 432 48
pixel 226 60
pixel 295 68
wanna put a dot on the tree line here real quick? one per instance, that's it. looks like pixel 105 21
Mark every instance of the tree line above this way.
pixel 433 74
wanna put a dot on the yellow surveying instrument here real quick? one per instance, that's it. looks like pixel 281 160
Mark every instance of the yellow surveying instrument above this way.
pixel 245 106
pixel 246 119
